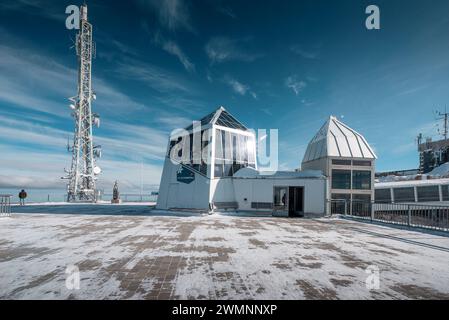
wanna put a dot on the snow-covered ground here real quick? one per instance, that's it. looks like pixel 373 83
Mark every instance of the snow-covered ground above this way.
pixel 152 256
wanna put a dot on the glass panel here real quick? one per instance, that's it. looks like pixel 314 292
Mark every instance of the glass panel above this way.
pixel 428 193
pixel 361 197
pixel 404 194
pixel 341 179
pixel 445 192
pixel 280 198
pixel 251 148
pixel 218 171
pixel 340 162
pixel 361 163
pixel 227 146
pixel 361 180
pixel 218 145
pixel 226 120
pixel 228 170
pixel 341 196
pixel 383 195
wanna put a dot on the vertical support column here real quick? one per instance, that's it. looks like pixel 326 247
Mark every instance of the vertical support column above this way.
pixel 409 216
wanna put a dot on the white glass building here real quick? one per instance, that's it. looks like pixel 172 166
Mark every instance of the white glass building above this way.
pixel 212 165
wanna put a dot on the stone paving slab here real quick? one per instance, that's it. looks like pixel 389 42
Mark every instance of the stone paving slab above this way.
pixel 217 257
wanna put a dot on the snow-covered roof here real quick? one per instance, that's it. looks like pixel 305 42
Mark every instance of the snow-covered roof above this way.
pixel 222 118
pixel 335 139
pixel 410 183
pixel 255 174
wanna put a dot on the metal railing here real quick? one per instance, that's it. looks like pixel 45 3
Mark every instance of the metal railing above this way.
pixel 132 197
pixel 427 216
pixel 5 205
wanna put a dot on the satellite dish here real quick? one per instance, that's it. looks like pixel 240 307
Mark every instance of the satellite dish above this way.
pixel 97 170
pixel 72 106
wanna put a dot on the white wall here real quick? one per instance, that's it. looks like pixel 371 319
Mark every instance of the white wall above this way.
pixel 174 194
pixel 261 190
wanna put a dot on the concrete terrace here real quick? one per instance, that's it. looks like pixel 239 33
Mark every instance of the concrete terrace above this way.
pixel 216 257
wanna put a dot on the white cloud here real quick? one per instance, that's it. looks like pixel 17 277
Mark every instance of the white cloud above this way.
pixel 35 81
pixel 221 49
pixel 307 54
pixel 153 76
pixel 240 88
pixel 172 48
pixel 172 14
pixel 296 85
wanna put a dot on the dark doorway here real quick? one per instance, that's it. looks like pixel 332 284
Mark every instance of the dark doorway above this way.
pixel 296 201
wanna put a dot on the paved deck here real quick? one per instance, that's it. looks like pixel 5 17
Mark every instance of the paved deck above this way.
pixel 216 257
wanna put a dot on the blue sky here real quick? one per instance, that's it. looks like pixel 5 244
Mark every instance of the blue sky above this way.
pixel 286 65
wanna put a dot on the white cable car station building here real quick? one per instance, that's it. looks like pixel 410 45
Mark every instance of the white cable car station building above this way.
pixel 212 165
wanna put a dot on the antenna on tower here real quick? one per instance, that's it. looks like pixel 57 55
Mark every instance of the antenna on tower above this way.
pixel 83 173
pixel 443 116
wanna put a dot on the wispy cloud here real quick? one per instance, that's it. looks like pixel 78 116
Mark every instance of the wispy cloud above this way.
pixel 40 8
pixel 240 88
pixel 174 49
pixel 227 11
pixel 151 75
pixel 222 49
pixel 172 14
pixel 305 53
pixel 36 81
pixel 296 85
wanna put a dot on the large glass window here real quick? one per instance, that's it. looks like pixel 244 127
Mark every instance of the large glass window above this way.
pixel 361 180
pixel 428 193
pixel 233 151
pixel 341 179
pixel 404 194
pixel 383 195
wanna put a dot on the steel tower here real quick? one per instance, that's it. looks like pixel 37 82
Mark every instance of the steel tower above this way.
pixel 83 172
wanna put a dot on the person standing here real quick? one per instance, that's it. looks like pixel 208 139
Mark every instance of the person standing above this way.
pixel 22 197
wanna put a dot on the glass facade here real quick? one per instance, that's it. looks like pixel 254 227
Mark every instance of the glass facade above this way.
pixel 361 180
pixel 445 192
pixel 233 151
pixel 404 194
pixel 428 193
pixel 383 195
pixel 341 179
pixel 181 150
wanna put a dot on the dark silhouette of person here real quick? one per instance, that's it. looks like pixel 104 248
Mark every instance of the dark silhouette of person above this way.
pixel 22 197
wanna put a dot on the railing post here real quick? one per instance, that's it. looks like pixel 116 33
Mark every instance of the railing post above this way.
pixel 409 216
pixel 372 210
pixel 346 207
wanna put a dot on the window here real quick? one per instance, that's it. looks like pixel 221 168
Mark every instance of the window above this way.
pixel 341 179
pixel 383 195
pixel 234 151
pixel 428 193
pixel 339 162
pixel 404 194
pixel 218 172
pixel 445 192
pixel 361 180
pixel 361 163
pixel 341 196
pixel 361 198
